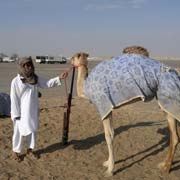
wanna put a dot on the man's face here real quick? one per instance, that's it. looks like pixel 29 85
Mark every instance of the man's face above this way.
pixel 29 68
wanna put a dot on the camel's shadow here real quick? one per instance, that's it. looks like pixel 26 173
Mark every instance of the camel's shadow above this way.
pixel 94 140
pixel 150 151
pixel 87 143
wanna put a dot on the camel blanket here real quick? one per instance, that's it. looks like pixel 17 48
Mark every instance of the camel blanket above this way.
pixel 115 82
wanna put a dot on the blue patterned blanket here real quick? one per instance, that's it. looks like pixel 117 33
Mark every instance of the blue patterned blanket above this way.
pixel 122 79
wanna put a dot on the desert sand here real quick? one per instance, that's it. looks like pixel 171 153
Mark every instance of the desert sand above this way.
pixel 140 143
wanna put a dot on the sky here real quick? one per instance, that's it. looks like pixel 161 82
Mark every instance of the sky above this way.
pixel 98 27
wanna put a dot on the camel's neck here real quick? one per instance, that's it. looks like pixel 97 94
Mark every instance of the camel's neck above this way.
pixel 81 76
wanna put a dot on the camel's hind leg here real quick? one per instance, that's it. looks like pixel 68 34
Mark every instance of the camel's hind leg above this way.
pixel 166 165
pixel 109 135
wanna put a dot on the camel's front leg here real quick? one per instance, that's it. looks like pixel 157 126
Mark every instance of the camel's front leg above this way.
pixel 178 130
pixel 166 165
pixel 109 135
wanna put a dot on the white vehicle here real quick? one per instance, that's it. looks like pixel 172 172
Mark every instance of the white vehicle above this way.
pixel 41 59
pixel 60 59
pixel 7 59
pixel 50 59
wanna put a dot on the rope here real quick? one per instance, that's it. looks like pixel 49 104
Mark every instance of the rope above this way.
pixel 65 81
pixel 65 84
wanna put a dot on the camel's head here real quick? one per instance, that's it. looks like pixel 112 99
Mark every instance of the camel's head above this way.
pixel 80 59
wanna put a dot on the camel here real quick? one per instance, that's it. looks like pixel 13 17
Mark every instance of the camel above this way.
pixel 102 96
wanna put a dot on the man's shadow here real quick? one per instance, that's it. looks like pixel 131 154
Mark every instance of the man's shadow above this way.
pixel 52 148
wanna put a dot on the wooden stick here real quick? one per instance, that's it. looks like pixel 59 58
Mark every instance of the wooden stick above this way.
pixel 67 113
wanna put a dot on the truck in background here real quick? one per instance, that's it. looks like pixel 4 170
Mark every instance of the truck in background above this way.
pixel 50 59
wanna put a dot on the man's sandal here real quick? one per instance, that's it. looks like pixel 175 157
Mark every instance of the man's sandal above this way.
pixel 31 154
pixel 16 157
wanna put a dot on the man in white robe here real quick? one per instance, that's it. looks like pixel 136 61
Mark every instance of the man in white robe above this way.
pixel 24 105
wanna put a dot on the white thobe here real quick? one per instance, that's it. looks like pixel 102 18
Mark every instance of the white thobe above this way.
pixel 24 102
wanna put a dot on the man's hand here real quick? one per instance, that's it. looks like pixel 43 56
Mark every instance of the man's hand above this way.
pixel 63 75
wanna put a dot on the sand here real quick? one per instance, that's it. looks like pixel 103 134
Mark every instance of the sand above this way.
pixel 140 143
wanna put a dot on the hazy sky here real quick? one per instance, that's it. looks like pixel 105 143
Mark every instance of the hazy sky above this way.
pixel 99 27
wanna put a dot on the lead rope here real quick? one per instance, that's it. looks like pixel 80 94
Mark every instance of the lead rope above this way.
pixel 65 84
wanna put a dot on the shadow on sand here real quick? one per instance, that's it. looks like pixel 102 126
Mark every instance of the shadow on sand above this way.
pixel 150 151
pixel 95 140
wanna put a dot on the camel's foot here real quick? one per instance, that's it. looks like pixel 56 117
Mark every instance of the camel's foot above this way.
pixel 165 166
pixel 106 163
pixel 108 173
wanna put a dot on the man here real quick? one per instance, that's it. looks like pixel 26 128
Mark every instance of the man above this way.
pixel 24 105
